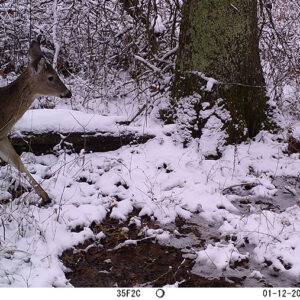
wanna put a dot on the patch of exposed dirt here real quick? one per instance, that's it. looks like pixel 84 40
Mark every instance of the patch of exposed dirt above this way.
pixel 124 255
pixel 144 262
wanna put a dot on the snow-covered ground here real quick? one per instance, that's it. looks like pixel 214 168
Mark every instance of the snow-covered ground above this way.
pixel 160 179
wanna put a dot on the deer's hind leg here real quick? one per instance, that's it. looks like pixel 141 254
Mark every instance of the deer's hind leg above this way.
pixel 9 154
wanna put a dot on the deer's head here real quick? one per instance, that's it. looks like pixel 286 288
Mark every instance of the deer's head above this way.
pixel 43 77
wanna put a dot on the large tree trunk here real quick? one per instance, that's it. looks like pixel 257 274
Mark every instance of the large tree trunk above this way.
pixel 219 39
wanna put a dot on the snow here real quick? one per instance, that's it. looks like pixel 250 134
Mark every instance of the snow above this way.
pixel 160 178
pixel 210 81
pixel 220 256
pixel 65 121
pixel 158 25
pixel 151 66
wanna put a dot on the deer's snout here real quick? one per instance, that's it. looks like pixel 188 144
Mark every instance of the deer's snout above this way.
pixel 68 94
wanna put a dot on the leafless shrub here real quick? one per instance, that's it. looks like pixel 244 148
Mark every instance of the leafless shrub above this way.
pixel 280 51
pixel 127 48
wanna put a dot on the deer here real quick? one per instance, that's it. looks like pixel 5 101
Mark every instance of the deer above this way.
pixel 38 79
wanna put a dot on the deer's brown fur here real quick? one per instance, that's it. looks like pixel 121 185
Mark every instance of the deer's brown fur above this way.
pixel 39 78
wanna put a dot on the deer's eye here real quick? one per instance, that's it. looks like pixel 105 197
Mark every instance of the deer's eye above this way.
pixel 50 78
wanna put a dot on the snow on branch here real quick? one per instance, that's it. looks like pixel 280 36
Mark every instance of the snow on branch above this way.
pixel 171 52
pixel 148 64
pixel 210 81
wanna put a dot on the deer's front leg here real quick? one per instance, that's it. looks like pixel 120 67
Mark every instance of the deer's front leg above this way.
pixel 8 154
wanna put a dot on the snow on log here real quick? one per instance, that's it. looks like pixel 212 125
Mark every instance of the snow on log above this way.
pixel 45 131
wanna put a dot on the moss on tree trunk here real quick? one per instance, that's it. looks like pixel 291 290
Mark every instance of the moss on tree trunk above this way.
pixel 219 38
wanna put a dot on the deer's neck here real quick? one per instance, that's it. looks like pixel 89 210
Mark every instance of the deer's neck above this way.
pixel 22 88
pixel 15 99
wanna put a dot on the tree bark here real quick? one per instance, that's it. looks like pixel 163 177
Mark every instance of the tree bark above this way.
pixel 219 39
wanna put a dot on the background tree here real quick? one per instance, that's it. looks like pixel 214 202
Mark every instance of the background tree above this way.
pixel 113 51
pixel 218 62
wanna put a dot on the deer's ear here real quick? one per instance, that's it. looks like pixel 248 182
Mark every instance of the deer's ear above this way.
pixel 37 65
pixel 35 51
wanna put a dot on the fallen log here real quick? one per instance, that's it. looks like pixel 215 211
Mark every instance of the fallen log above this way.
pixel 50 142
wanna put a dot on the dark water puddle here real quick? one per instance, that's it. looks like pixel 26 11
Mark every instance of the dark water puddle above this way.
pixel 287 195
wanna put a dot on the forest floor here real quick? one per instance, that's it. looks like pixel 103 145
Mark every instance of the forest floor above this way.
pixel 125 258
pixel 151 214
